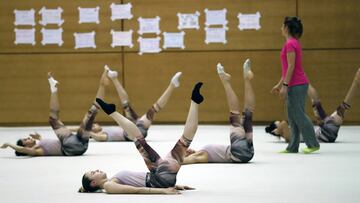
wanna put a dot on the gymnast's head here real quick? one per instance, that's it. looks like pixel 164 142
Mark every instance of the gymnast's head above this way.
pixel 92 181
pixel 292 26
pixel 25 142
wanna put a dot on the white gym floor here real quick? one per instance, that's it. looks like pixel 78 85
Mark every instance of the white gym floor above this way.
pixel 331 175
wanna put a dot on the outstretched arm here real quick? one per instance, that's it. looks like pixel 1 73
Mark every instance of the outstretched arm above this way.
pixel 25 150
pixel 100 137
pixel 115 188
pixel 196 157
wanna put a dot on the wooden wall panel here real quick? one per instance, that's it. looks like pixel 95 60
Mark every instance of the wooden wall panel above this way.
pixel 331 73
pixel 330 23
pixel 268 37
pixel 25 93
pixel 70 26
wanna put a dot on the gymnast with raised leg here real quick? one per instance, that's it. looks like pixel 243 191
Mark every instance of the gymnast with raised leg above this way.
pixel 68 143
pixel 241 149
pixel 161 178
pixel 329 125
pixel 108 134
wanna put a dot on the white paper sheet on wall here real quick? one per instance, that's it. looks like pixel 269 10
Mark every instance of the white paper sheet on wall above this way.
pixel 24 17
pixel 121 11
pixel 52 36
pixel 89 15
pixel 149 45
pixel 188 20
pixel 216 35
pixel 249 21
pixel 85 40
pixel 121 38
pixel 174 40
pixel 215 17
pixel 25 36
pixel 51 16
pixel 149 25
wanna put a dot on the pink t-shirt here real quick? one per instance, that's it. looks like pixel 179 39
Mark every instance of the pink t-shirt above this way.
pixel 298 77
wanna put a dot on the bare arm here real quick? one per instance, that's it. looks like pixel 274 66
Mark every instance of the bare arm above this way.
pixel 283 130
pixel 100 137
pixel 29 151
pixel 291 66
pixel 116 188
pixel 289 74
pixel 197 157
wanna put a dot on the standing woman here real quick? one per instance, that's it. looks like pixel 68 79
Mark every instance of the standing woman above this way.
pixel 293 86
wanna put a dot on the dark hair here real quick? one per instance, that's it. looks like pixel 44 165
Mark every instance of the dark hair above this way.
pixel 269 129
pixel 21 144
pixel 294 26
pixel 86 185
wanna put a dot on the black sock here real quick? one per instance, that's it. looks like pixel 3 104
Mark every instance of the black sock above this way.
pixel 107 108
pixel 196 96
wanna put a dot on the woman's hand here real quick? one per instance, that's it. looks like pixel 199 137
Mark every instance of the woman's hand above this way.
pixel 4 146
pixel 283 92
pixel 36 136
pixel 276 89
pixel 171 191
pixel 183 187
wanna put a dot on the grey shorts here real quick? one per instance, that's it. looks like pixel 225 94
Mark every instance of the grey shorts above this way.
pixel 73 145
pixel 241 149
pixel 162 177
pixel 327 132
pixel 162 171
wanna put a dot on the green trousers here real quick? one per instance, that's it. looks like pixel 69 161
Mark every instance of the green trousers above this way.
pixel 299 122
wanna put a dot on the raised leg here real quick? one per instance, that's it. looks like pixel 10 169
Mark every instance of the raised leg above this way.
pixel 124 97
pixel 346 104
pixel 179 151
pixel 319 112
pixel 149 155
pixel 59 128
pixel 232 99
pixel 147 119
pixel 88 120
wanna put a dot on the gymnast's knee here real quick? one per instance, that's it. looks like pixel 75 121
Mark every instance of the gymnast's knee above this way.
pixel 151 113
pixel 234 119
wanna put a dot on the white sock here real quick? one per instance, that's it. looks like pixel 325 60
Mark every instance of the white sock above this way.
pixel 111 73
pixel 53 84
pixel 220 68
pixel 175 79
pixel 247 67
